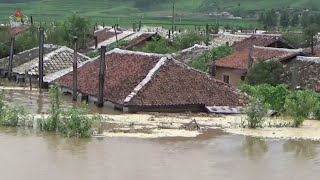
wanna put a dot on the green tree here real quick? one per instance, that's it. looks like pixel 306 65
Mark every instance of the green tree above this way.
pixel 77 26
pixel 300 105
pixel 310 32
pixel 284 18
pixel 294 21
pixel 265 72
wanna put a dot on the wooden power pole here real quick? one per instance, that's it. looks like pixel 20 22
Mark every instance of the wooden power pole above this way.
pixel 75 72
pixel 41 44
pixel 102 76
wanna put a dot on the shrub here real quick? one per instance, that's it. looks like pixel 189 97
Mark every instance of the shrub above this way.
pixel 188 39
pixel 256 113
pixel 11 115
pixel 160 46
pixel 71 122
pixel 300 105
pixel 274 96
pixel 265 72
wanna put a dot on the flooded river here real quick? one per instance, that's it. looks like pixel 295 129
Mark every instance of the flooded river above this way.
pixel 215 155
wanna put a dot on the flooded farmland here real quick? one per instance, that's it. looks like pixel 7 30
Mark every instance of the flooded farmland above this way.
pixel 28 155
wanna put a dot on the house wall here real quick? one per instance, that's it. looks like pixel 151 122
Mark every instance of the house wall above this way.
pixel 234 75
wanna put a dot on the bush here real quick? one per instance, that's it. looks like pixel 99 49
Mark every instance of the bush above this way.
pixel 274 96
pixel 72 122
pixel 160 46
pixel 11 115
pixel 300 105
pixel 256 113
pixel 188 39
pixel 265 72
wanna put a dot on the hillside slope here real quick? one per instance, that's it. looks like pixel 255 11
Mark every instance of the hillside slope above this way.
pixel 129 10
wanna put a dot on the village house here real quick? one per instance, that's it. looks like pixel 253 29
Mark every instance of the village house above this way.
pixel 303 72
pixel 106 36
pixel 232 69
pixel 26 63
pixel 136 81
pixel 140 40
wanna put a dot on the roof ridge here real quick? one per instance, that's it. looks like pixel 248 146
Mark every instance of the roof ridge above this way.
pixel 147 79
pixel 72 51
pixel 278 49
pixel 37 47
pixel 310 59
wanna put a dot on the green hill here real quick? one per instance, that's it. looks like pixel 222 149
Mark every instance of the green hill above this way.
pixel 128 11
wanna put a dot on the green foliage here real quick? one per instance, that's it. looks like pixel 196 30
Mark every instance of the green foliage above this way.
pixel 72 122
pixel 284 18
pixel 273 96
pixel 255 113
pixel 300 105
pixel 269 18
pixel 188 39
pixel 180 42
pixel 310 31
pixel 298 39
pixel 265 72
pixel 160 46
pixel 28 40
pixel 202 62
pixel 12 116
pixel 294 21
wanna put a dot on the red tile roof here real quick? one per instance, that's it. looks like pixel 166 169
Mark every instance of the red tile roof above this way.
pixel 152 80
pixel 240 60
pixel 258 40
pixel 177 84
pixel 140 40
pixel 124 73
pixel 103 35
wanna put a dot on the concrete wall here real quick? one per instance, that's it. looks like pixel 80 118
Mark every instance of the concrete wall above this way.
pixel 234 75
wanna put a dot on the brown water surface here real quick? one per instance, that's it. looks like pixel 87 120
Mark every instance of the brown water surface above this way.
pixel 31 155
pixel 214 155
pixel 35 102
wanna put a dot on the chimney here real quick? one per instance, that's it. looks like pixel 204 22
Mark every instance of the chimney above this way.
pixel 75 70
pixel 11 57
pixel 95 41
pixel 41 42
pixel 102 76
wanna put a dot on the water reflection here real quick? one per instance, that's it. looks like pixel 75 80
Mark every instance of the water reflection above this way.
pixel 305 149
pixel 254 147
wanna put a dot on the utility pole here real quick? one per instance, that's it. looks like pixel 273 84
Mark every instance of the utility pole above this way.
pixel 41 42
pixel 102 72
pixel 11 57
pixel 75 72
pixel 173 2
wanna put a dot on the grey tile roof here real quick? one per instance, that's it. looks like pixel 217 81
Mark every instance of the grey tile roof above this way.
pixel 54 61
pixel 26 56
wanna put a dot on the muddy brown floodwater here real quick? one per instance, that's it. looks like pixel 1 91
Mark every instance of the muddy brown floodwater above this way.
pixel 30 155
pixel 214 155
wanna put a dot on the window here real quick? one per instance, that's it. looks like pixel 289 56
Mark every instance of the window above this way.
pixel 243 78
pixel 226 79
